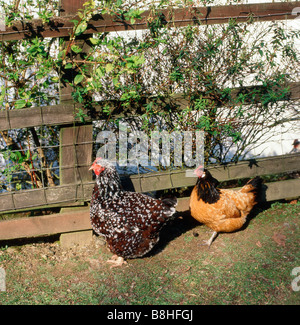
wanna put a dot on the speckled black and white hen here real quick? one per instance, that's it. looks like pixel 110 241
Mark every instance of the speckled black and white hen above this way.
pixel 129 221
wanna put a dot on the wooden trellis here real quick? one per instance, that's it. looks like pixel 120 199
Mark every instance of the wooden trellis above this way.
pixel 63 26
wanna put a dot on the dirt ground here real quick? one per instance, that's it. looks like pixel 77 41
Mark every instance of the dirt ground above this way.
pixel 251 266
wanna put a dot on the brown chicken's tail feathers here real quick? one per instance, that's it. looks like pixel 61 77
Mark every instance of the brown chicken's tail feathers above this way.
pixel 254 185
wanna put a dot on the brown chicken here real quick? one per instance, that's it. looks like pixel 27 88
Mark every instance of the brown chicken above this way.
pixel 222 210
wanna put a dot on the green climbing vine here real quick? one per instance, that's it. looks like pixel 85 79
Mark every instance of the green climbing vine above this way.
pixel 229 80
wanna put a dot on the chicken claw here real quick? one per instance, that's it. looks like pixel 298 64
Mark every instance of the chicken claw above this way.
pixel 116 261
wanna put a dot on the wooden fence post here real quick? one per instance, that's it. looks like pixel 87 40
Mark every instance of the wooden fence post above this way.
pixel 75 140
pixel 76 145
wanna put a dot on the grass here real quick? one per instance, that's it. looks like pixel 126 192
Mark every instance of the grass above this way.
pixel 251 266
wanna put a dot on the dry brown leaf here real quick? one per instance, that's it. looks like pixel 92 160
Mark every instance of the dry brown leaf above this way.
pixel 279 239
pixel 258 243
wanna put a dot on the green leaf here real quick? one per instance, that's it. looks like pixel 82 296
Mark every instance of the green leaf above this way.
pixel 20 103
pixel 100 72
pixel 94 41
pixel 19 157
pixel 61 54
pixel 18 186
pixel 76 48
pixel 68 66
pixel 78 79
pixel 116 82
pixel 81 115
pixel 81 28
pixel 2 96
pixel 55 79
pixel 109 67
pixel 27 154
pixel 39 75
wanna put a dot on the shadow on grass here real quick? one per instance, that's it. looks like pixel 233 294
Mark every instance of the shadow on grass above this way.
pixel 174 229
pixel 185 222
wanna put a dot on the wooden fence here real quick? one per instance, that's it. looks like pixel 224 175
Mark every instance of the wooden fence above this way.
pixel 63 26
pixel 78 220
pixel 76 139
pixel 78 193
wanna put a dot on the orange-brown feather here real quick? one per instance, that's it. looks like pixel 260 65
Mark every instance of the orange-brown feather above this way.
pixel 228 213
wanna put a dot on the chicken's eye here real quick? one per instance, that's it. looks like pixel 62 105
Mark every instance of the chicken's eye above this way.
pixel 98 169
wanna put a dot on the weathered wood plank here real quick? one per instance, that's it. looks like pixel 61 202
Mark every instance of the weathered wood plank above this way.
pixel 45 197
pixel 80 220
pixel 283 190
pixel 64 114
pixel 69 7
pixel 75 141
pixel 150 182
pixel 62 26
pixel 244 169
pixel 46 225
pixel 76 154
pixel 37 116
pixel 6 202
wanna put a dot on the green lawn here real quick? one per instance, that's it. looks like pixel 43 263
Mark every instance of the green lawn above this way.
pixel 251 266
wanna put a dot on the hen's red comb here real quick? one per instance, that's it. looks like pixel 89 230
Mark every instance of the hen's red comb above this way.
pixel 199 171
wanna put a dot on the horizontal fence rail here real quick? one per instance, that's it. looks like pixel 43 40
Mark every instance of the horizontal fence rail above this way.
pixel 62 26
pixel 64 114
pixel 79 220
pixel 71 193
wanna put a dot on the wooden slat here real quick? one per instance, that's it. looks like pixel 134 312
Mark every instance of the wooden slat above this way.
pixel 65 114
pixel 76 142
pixel 62 26
pixel 44 197
pixel 75 155
pixel 283 190
pixel 80 220
pixel 46 225
pixel 150 182
pixel 69 7
pixel 243 169
pixel 37 116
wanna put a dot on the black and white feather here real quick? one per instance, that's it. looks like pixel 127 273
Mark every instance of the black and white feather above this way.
pixel 129 221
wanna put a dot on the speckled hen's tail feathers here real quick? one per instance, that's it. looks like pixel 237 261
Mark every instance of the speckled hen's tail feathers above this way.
pixel 171 203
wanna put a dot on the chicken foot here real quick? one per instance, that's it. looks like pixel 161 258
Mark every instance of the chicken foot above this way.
pixel 116 261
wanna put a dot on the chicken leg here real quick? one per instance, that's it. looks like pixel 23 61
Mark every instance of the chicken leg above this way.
pixel 210 240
